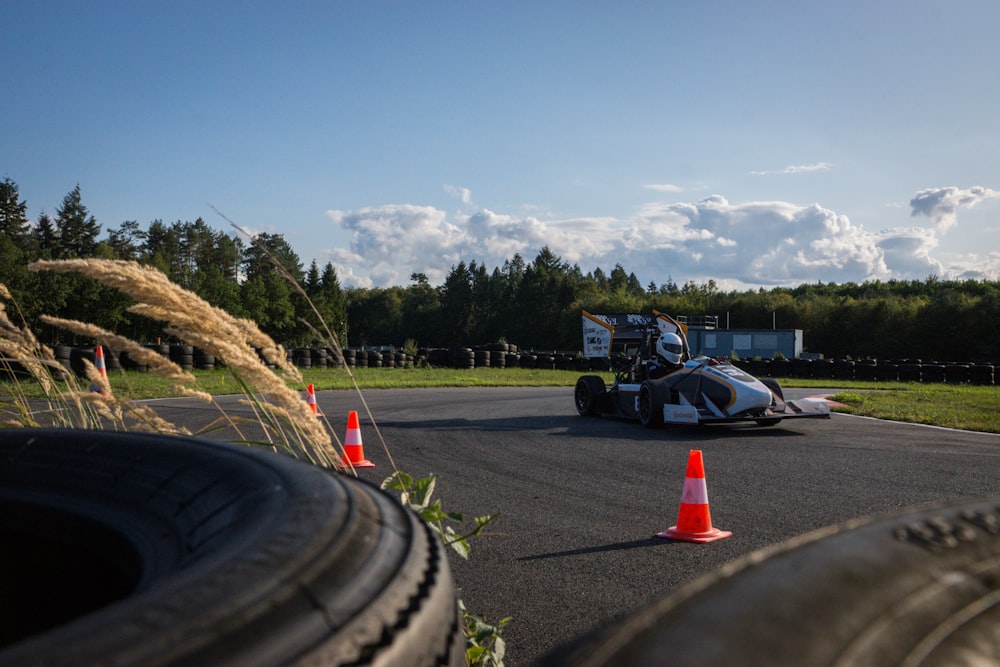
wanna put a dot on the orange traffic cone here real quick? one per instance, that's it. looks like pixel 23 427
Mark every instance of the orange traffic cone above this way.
pixel 311 399
pixel 101 368
pixel 694 521
pixel 354 451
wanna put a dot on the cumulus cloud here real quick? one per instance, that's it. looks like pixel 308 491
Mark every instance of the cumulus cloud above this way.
pixel 907 252
pixel 748 243
pixel 754 243
pixel 941 204
pixel 392 239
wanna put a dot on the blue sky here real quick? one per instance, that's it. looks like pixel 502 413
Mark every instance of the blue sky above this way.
pixel 750 143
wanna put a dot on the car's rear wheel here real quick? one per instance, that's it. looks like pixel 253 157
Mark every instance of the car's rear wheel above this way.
pixel 590 390
pixel 920 588
pixel 132 549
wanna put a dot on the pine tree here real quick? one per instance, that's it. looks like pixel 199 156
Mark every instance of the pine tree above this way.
pixel 77 230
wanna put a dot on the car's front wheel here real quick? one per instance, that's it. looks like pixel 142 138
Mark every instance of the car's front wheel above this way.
pixel 650 407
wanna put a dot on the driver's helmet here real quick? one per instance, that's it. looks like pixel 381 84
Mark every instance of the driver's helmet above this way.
pixel 670 347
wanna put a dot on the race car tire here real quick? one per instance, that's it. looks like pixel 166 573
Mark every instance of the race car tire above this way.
pixel 774 386
pixel 588 394
pixel 139 549
pixel 651 404
pixel 919 588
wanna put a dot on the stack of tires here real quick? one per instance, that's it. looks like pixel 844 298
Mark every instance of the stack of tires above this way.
pixel 802 368
pixel 865 369
pixel 300 357
pixel 982 374
pixel 438 357
pixel 781 368
pixel 887 371
pixel 183 356
pixel 462 357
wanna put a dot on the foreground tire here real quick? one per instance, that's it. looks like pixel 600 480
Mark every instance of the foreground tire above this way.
pixel 588 394
pixel 132 549
pixel 921 588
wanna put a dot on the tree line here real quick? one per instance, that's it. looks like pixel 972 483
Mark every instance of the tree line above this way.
pixel 535 304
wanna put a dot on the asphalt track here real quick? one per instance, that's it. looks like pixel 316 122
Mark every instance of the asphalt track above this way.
pixel 579 500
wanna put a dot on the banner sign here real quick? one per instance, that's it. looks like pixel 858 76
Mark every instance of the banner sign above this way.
pixel 597 335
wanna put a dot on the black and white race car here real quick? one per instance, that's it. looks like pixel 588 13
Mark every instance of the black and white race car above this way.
pixel 698 390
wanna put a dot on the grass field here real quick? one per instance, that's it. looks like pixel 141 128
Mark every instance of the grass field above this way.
pixel 966 407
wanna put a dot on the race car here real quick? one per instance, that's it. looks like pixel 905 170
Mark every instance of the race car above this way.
pixel 661 383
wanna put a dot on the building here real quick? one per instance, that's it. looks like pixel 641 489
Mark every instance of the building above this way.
pixel 705 338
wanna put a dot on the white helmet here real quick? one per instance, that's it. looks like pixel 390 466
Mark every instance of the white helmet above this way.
pixel 670 347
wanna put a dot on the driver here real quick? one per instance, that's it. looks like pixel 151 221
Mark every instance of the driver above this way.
pixel 669 350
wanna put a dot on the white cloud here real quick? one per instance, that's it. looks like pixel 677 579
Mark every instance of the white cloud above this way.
pixel 462 194
pixel 755 243
pixel 941 204
pixel 750 243
pixel 663 187
pixel 907 252
pixel 796 169
pixel 393 239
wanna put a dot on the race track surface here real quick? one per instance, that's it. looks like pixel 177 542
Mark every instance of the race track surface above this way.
pixel 579 500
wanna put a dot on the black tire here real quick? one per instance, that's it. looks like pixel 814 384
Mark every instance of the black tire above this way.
pixel 774 386
pixel 178 551
pixel 918 588
pixel 650 405
pixel 589 392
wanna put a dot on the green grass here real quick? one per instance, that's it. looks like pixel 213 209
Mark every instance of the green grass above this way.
pixel 966 407
pixel 137 386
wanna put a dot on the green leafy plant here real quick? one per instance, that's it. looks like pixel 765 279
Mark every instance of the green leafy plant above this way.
pixel 484 645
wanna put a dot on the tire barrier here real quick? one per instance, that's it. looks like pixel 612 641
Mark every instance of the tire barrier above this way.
pixel 183 356
pixel 504 355
pixel 982 374
pixel 319 357
pixel 111 360
pixel 903 370
pixel 203 360
pixel 915 588
pixel 140 549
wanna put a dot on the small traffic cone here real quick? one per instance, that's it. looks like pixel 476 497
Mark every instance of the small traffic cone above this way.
pixel 694 521
pixel 101 368
pixel 354 451
pixel 311 399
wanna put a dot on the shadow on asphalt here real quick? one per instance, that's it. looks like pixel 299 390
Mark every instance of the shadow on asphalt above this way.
pixel 596 427
pixel 619 546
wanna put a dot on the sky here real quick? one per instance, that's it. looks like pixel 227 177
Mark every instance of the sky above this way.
pixel 756 144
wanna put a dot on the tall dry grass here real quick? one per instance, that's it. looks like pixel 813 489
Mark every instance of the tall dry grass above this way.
pixel 279 409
